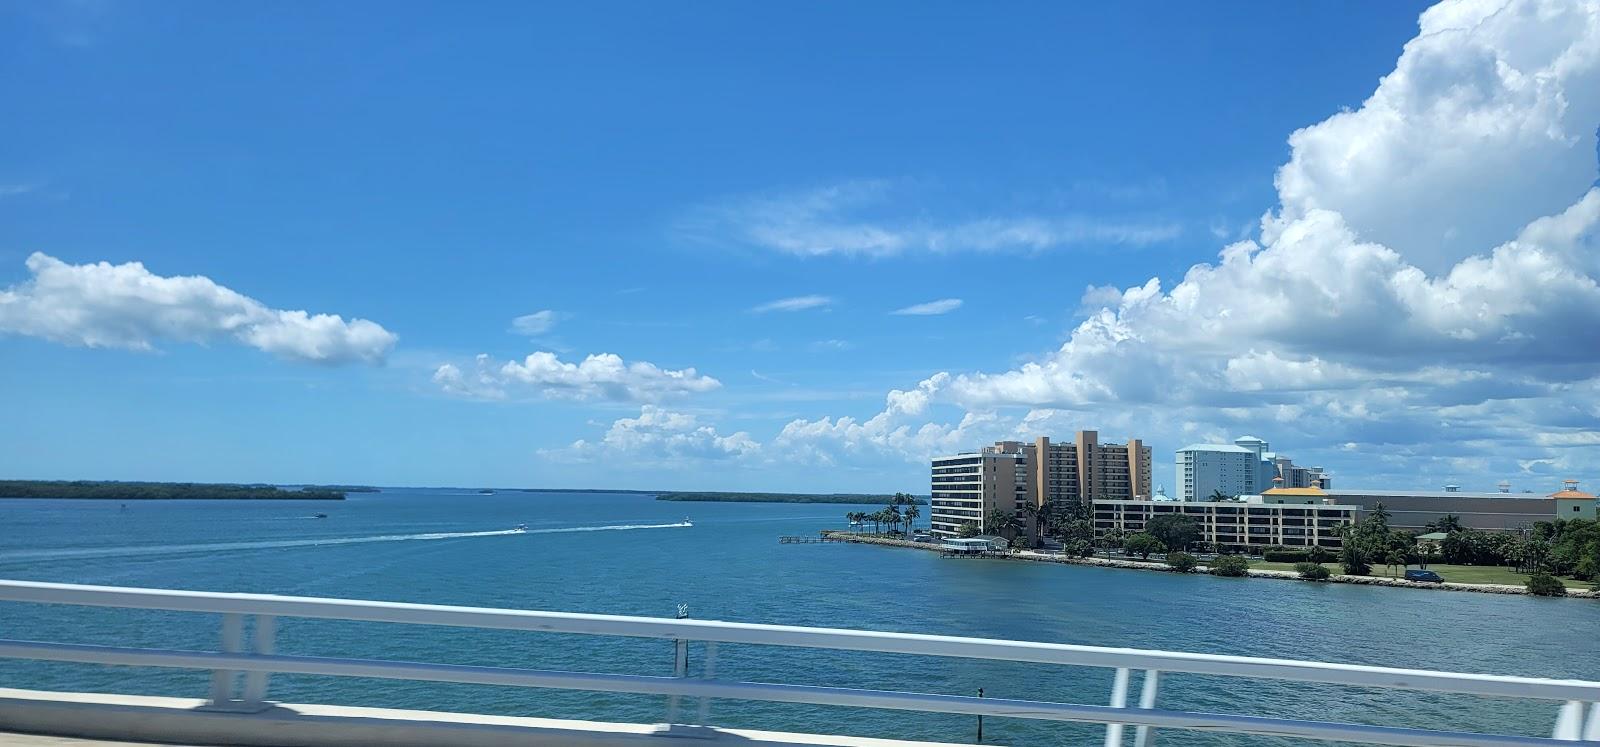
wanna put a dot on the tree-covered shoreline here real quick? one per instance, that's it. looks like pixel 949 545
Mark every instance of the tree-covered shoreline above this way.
pixel 150 491
pixel 714 497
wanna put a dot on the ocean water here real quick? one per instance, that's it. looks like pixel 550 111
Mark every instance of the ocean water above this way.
pixel 630 554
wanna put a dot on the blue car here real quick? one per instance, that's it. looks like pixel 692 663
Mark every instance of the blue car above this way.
pixel 1424 575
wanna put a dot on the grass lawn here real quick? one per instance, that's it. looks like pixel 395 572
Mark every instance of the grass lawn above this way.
pixel 1461 574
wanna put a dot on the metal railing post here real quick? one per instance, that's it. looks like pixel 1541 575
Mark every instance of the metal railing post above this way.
pixel 1147 700
pixel 680 666
pixel 255 683
pixel 222 680
pixel 1569 721
pixel 1119 699
pixel 708 671
pixel 1591 732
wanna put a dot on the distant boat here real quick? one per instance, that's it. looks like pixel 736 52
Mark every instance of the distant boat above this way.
pixel 486 491
pixel 686 522
pixel 521 528
pixel 319 516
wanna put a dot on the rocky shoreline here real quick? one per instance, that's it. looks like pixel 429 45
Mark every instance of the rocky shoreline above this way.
pixel 1039 557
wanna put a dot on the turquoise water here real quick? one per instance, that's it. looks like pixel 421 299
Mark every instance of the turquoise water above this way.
pixel 628 554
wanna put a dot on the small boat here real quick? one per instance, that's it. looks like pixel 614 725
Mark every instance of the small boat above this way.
pixel 686 522
pixel 319 516
pixel 521 528
pixel 486 491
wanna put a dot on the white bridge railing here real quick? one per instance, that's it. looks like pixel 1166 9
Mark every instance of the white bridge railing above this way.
pixel 1577 718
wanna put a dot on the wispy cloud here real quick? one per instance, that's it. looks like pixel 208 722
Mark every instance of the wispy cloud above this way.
pixel 12 190
pixel 796 303
pixel 870 218
pixel 758 376
pixel 537 323
pixel 931 308
pixel 823 346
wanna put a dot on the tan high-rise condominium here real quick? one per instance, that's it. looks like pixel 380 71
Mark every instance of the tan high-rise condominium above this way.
pixel 1012 474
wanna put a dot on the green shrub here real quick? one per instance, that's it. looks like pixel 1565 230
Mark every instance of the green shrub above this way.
pixel 1545 585
pixel 1143 545
pixel 1312 571
pixel 1355 559
pixel 1079 548
pixel 1230 565
pixel 1285 555
pixel 1587 569
pixel 1181 562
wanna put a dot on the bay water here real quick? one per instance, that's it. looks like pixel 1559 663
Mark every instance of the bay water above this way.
pixel 630 554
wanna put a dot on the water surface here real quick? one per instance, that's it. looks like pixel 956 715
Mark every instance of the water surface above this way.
pixel 629 554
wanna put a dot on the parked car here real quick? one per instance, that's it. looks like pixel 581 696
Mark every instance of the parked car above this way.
pixel 1423 575
pixel 922 537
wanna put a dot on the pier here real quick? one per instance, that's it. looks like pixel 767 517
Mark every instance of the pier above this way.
pixel 239 712
pixel 807 540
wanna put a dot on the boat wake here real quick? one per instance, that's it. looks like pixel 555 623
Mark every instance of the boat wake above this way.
pixel 149 550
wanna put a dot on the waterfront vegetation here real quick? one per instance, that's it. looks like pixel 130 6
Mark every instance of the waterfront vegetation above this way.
pixel 149 491
pixel 1312 571
pixel 1182 562
pixel 1563 553
pixel 1459 574
pixel 713 497
pixel 1229 565
pixel 902 509
pixel 1534 557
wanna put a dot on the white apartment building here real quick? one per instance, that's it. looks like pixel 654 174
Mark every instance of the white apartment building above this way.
pixel 966 487
pixel 1248 466
pixel 1241 526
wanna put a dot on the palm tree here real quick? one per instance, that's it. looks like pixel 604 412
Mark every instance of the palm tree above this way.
pixel 892 517
pixel 1217 496
pixel 1381 514
pixel 912 512
pixel 1394 558
pixel 1030 515
pixel 1447 524
pixel 856 518
pixel 1001 522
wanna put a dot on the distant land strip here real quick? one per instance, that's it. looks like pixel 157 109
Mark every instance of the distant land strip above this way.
pixel 151 491
pixel 782 497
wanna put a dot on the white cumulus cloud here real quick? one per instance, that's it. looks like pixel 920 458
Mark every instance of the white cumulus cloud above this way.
pixel 1487 121
pixel 1427 283
pixel 127 306
pixel 661 437
pixel 604 376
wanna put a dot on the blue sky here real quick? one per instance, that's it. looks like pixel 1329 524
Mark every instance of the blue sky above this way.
pixel 732 199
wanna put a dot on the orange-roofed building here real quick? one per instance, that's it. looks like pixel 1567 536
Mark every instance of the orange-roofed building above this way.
pixel 1572 503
